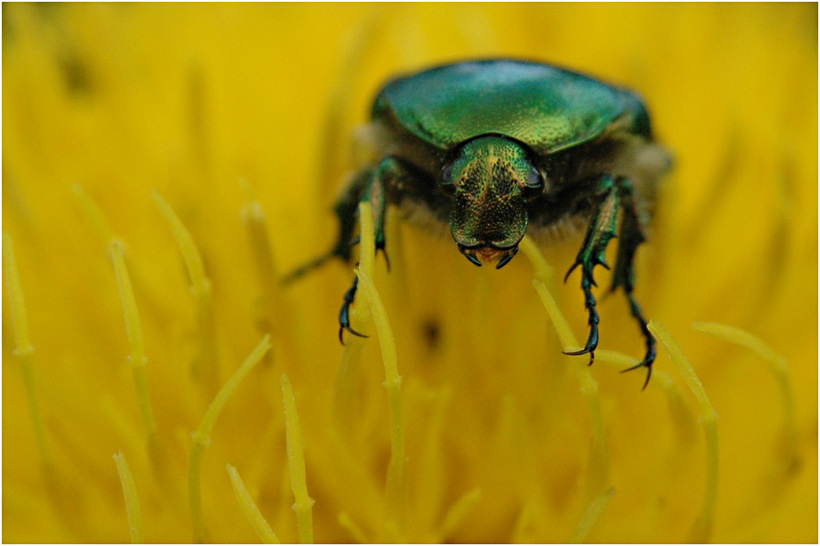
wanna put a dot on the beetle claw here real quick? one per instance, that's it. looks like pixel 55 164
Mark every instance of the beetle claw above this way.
pixel 592 341
pixel 646 363
pixel 344 312
pixel 347 327
pixel 380 246
pixel 583 351
pixel 651 345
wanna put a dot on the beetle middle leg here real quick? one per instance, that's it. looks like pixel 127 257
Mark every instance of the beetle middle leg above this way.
pixel 377 183
pixel 617 193
pixel 632 235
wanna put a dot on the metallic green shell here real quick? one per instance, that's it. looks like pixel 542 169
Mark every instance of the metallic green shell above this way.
pixel 544 107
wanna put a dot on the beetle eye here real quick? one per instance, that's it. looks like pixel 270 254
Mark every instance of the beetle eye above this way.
pixel 534 179
pixel 447 174
pixel 447 185
pixel 534 185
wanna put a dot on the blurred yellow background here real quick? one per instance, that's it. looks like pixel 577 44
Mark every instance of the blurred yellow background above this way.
pixel 189 99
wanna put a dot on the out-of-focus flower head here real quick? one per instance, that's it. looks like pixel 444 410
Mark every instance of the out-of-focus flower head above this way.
pixel 174 160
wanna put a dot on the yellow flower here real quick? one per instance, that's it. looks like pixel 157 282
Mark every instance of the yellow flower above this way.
pixel 128 130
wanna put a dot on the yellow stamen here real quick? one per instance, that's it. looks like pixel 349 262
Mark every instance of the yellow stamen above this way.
pixel 599 456
pixel 353 528
pixel 200 286
pixel 559 322
pixel 543 271
pixel 257 225
pixel 296 463
pixel 270 299
pixel 682 416
pixel 740 337
pixel 133 327
pixel 394 489
pixel 133 330
pixel 368 238
pixel 132 503
pixel 249 508
pixel 347 374
pixel 91 211
pixel 395 470
pixel 459 511
pixel 202 436
pixel 591 516
pixel 23 350
pixel 781 371
pixel 708 416
pixel 523 524
pixel 193 261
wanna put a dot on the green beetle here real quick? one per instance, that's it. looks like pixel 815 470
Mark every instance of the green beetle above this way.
pixel 496 147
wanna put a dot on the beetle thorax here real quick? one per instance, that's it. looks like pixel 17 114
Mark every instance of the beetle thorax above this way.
pixel 488 182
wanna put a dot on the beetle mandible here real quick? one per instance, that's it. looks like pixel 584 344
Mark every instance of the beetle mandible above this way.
pixel 498 147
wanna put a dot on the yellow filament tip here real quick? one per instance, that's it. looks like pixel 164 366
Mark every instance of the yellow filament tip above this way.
pixel 23 350
pixel 708 416
pixel 303 505
pixel 353 528
pixel 395 469
pixel 202 436
pixel 249 508
pixel 200 285
pixel 591 516
pixel 133 329
pixel 19 320
pixel 257 224
pixel 132 504
pixel 92 211
pixel 190 253
pixel 459 511
pixel 778 365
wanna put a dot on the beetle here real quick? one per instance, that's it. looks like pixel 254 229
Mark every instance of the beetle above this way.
pixel 497 147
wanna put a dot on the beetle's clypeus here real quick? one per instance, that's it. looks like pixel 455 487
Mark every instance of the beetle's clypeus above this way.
pixel 495 148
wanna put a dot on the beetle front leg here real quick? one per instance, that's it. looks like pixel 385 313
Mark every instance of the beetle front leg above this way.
pixel 633 233
pixel 344 312
pixel 601 231
pixel 346 210
pixel 375 193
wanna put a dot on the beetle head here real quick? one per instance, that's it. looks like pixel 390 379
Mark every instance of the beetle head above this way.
pixel 490 182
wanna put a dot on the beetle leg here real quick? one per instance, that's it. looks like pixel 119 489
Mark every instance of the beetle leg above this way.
pixel 345 209
pixel 375 193
pixel 633 234
pixel 344 312
pixel 601 231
